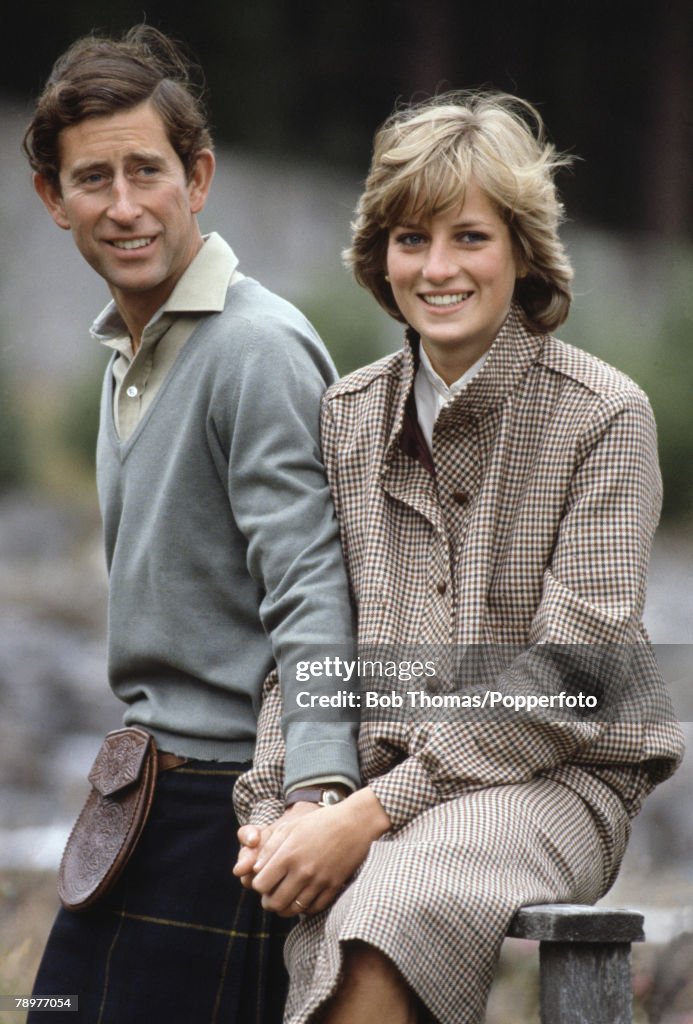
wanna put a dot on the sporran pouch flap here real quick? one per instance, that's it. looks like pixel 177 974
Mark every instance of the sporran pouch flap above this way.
pixel 106 832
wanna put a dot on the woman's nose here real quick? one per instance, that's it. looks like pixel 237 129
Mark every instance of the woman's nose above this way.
pixel 440 263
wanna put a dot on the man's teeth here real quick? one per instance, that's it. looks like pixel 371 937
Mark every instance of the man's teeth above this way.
pixel 131 243
pixel 446 300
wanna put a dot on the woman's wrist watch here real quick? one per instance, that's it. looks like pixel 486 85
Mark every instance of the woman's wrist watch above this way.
pixel 323 796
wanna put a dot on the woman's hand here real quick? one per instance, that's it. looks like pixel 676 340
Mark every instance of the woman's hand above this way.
pixel 303 862
pixel 253 837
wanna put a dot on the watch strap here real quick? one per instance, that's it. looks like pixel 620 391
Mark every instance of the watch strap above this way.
pixel 310 795
pixel 324 796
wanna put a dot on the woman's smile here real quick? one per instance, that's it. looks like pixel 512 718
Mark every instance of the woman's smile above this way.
pixel 453 278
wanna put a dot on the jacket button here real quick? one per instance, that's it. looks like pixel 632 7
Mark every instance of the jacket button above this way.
pixel 441 587
pixel 460 497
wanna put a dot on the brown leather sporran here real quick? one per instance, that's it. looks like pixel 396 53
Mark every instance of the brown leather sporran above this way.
pixel 123 778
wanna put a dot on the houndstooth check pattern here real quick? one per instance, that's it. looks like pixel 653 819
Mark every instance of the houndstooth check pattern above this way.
pixel 438 897
pixel 536 529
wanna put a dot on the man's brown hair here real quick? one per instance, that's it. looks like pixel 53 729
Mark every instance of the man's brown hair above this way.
pixel 98 76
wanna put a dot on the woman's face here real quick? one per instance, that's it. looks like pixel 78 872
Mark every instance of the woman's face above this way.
pixel 453 277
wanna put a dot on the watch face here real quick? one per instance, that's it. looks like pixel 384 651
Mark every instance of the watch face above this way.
pixel 330 796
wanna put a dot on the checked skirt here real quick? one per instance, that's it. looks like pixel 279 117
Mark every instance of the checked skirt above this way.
pixel 437 897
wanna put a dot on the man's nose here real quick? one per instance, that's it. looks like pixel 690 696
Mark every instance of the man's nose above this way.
pixel 124 206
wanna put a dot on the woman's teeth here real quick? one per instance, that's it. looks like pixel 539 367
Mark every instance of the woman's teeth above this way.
pixel 446 300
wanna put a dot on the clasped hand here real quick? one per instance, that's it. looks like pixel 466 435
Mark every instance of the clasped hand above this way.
pixel 301 862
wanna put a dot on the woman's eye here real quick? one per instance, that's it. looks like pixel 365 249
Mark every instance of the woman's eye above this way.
pixel 472 237
pixel 410 238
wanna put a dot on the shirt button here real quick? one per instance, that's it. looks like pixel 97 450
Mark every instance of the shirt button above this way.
pixel 132 391
pixel 460 497
pixel 441 587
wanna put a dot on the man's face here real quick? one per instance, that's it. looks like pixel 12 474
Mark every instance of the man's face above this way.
pixel 124 195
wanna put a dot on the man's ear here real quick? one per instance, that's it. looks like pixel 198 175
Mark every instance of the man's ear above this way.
pixel 52 199
pixel 200 179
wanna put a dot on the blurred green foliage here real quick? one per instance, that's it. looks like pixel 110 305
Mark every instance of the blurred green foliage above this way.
pixel 13 453
pixel 352 325
pixel 669 384
pixel 633 308
pixel 79 422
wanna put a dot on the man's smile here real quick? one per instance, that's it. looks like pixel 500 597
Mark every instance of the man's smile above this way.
pixel 130 243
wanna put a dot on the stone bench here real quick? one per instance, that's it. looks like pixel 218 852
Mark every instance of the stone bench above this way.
pixel 584 961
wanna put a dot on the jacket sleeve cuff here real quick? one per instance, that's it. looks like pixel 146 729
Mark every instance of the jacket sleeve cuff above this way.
pixel 405 791
pixel 264 812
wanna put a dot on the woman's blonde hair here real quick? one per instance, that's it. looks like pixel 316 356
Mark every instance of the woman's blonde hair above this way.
pixel 423 159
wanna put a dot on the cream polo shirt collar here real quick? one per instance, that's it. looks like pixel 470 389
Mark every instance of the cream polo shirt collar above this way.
pixel 201 289
pixel 137 377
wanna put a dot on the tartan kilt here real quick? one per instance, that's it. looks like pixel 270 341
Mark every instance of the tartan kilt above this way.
pixel 178 940
pixel 437 896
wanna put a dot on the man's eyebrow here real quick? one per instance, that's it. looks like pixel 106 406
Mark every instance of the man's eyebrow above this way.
pixel 89 166
pixel 144 156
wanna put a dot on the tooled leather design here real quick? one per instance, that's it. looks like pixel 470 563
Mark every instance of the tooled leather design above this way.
pixel 119 760
pixel 109 823
pixel 106 830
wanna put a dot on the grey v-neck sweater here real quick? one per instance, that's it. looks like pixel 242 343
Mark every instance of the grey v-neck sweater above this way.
pixel 221 541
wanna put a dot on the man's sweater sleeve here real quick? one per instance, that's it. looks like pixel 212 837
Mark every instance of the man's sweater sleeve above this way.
pixel 280 499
